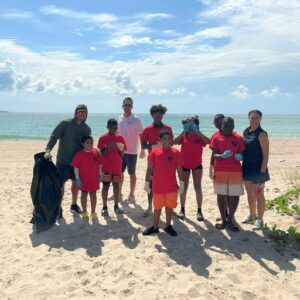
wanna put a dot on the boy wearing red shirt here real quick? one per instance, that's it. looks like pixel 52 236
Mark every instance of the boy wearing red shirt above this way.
pixel 192 142
pixel 87 165
pixel 228 180
pixel 112 147
pixel 150 140
pixel 163 163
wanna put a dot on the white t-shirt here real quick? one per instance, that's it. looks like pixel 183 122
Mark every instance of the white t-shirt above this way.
pixel 130 128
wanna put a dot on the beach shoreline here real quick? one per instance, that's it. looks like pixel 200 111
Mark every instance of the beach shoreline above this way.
pixel 77 260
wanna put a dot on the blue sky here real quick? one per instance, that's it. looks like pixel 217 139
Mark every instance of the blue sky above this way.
pixel 193 56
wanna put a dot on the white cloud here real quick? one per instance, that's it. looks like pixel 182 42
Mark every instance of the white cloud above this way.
pixel 17 15
pixel 124 85
pixel 274 91
pixel 241 91
pixel 101 18
pixel 94 49
pixel 127 40
pixel 154 16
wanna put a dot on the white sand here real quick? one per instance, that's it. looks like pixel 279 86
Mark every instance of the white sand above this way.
pixel 81 260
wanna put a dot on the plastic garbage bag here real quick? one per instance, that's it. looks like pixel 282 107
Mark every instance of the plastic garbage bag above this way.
pixel 45 193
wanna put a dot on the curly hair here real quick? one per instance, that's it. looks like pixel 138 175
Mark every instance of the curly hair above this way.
pixel 158 108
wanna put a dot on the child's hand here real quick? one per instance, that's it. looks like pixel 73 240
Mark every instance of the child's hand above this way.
pixel 238 156
pixel 147 187
pixel 195 128
pixel 226 154
pixel 79 182
pixel 120 146
pixel 47 154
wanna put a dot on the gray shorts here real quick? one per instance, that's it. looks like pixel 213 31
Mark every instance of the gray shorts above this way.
pixel 129 162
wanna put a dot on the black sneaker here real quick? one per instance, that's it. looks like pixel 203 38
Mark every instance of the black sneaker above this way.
pixel 75 208
pixel 170 230
pixel 200 216
pixel 181 215
pixel 150 230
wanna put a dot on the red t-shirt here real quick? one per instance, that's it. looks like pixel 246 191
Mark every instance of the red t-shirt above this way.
pixel 151 134
pixel 88 165
pixel 191 150
pixel 235 144
pixel 113 159
pixel 165 163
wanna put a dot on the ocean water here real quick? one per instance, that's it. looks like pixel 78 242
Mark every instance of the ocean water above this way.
pixel 39 126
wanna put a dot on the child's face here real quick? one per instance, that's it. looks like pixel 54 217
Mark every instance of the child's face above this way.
pixel 88 145
pixel 166 141
pixel 227 128
pixel 157 117
pixel 112 129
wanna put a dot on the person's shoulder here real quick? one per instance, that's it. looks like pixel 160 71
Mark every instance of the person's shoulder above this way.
pixel 149 127
pixel 104 135
pixel 166 126
pixel 175 150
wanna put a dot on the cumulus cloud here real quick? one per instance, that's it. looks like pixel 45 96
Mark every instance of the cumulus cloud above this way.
pixel 127 40
pixel 241 91
pixel 124 85
pixel 274 91
pixel 94 49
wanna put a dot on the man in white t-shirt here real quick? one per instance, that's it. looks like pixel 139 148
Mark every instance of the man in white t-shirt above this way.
pixel 130 127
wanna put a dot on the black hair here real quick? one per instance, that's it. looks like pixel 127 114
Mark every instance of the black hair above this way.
pixel 128 99
pixel 228 120
pixel 157 108
pixel 218 116
pixel 85 138
pixel 194 119
pixel 112 122
pixel 255 111
pixel 163 133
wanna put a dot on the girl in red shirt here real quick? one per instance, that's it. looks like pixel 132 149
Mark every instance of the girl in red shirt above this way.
pixel 87 165
pixel 192 142
pixel 227 150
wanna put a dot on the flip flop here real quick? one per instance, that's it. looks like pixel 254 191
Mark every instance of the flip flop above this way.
pixel 220 226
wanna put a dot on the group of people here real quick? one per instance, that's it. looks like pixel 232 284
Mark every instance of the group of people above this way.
pixel 236 161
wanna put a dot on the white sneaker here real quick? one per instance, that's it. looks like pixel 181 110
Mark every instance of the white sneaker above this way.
pixel 259 224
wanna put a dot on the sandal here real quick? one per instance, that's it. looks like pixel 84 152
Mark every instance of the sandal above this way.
pixel 150 230
pixel 221 226
pixel 84 215
pixel 94 216
pixel 233 227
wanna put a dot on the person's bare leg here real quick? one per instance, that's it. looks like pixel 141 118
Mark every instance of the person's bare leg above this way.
pixel 104 193
pixel 197 178
pixel 84 201
pixel 261 204
pixel 132 184
pixel 186 178
pixel 74 191
pixel 233 202
pixel 156 217
pixel 116 189
pixel 221 199
pixel 63 191
pixel 169 213
pixel 93 197
pixel 251 196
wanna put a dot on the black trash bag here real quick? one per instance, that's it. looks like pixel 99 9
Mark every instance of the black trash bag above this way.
pixel 45 193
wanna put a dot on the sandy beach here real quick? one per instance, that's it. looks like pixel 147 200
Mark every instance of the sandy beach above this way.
pixel 112 259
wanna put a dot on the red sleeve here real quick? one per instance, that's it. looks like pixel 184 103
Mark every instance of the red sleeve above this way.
pixel 100 160
pixel 213 143
pixel 101 143
pixel 144 136
pixel 180 140
pixel 151 159
pixel 76 160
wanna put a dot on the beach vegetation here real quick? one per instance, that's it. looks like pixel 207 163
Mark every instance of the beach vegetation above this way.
pixel 286 203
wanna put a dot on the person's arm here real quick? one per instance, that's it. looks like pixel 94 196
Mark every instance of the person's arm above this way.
pixel 142 152
pixel 77 178
pixel 148 178
pixel 204 139
pixel 216 155
pixel 106 149
pixel 177 140
pixel 56 134
pixel 264 144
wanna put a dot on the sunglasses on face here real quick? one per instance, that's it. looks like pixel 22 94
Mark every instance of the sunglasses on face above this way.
pixel 128 105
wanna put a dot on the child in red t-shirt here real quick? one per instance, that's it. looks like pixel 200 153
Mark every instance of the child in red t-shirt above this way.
pixel 150 139
pixel 163 163
pixel 227 150
pixel 192 142
pixel 87 165
pixel 112 147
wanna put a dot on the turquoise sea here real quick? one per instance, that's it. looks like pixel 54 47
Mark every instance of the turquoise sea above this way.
pixel 36 126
